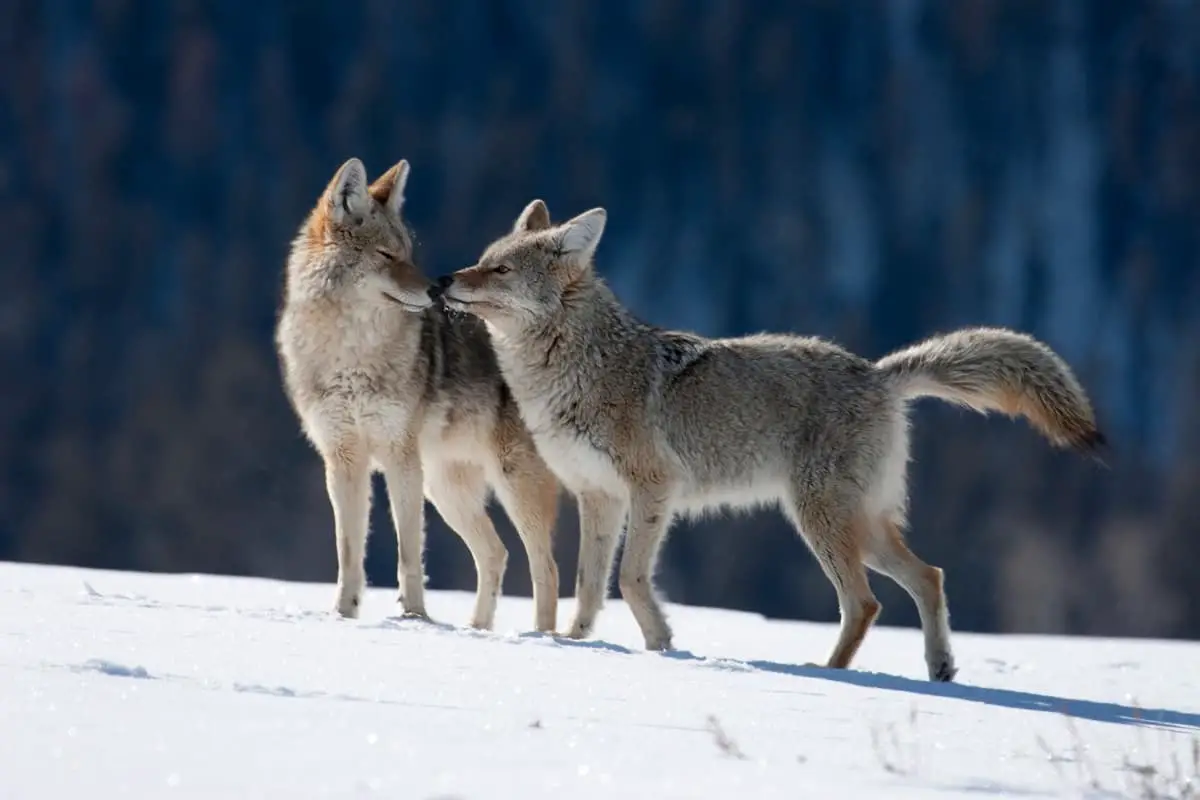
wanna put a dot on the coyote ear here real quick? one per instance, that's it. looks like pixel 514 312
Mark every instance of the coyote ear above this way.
pixel 581 235
pixel 388 188
pixel 535 217
pixel 347 193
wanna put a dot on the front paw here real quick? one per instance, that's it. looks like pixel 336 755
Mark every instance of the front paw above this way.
pixel 579 630
pixel 411 610
pixel 660 643
pixel 941 668
pixel 351 586
pixel 348 604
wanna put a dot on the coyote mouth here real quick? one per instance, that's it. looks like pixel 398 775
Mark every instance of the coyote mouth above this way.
pixel 403 304
pixel 461 305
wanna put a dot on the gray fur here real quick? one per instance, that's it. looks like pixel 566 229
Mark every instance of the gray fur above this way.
pixel 648 423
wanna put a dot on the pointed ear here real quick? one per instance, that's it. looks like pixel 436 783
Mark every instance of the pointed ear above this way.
pixel 581 235
pixel 535 217
pixel 389 188
pixel 347 193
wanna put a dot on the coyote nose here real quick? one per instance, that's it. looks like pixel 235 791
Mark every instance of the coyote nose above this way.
pixel 439 288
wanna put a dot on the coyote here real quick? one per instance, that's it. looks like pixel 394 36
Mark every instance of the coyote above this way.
pixel 382 379
pixel 647 423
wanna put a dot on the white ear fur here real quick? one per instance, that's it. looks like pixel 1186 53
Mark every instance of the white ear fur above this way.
pixel 535 217
pixel 581 235
pixel 396 199
pixel 347 193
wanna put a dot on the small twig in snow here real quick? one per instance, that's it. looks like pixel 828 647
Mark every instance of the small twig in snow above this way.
pixel 1085 767
pixel 724 743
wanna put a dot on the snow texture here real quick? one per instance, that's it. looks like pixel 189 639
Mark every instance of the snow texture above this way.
pixel 131 685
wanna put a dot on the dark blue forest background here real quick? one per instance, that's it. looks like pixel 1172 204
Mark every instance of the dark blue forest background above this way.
pixel 869 171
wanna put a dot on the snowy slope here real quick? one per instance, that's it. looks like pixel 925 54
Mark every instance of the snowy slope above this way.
pixel 130 685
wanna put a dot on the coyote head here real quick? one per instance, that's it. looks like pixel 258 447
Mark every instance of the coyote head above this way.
pixel 526 275
pixel 356 238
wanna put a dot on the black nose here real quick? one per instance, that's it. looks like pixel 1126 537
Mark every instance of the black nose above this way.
pixel 439 288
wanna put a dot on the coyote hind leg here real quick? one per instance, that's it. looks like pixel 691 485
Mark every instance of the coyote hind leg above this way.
pixel 459 493
pixel 888 554
pixel 529 493
pixel 836 540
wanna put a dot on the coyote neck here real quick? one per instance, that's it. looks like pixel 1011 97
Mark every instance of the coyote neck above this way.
pixel 574 344
pixel 562 362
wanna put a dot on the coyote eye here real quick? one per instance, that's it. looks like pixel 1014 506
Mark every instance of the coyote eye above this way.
pixel 386 254
pixel 503 269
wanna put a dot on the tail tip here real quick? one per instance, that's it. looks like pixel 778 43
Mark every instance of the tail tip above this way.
pixel 1094 443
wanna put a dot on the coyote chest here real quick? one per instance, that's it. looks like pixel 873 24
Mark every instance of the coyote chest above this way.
pixel 552 400
pixel 355 381
pixel 567 449
pixel 361 404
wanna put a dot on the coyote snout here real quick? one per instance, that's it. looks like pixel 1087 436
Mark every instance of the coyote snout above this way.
pixel 438 287
pixel 524 279
pixel 469 287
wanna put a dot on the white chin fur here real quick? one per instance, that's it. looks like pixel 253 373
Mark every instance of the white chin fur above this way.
pixel 405 304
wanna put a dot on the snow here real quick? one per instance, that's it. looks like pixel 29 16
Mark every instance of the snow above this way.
pixel 120 684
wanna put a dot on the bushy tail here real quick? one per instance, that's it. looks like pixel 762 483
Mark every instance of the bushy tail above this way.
pixel 992 369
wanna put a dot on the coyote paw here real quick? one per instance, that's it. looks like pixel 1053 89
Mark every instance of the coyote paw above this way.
pixel 348 605
pixel 579 630
pixel 415 613
pixel 351 585
pixel 942 669
pixel 660 643
pixel 410 609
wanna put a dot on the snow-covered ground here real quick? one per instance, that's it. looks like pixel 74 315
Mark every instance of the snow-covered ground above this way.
pixel 130 685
